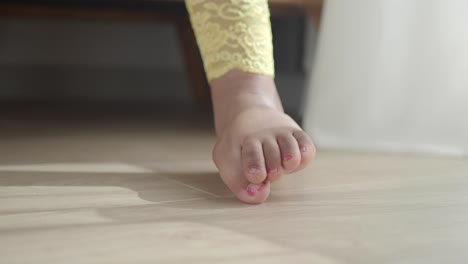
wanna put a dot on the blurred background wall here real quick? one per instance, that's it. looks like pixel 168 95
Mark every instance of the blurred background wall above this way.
pixel 70 60
pixel 391 76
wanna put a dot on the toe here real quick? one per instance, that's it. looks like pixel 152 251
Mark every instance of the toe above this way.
pixel 245 191
pixel 289 148
pixel 272 154
pixel 228 159
pixel 253 161
pixel 254 193
pixel 306 147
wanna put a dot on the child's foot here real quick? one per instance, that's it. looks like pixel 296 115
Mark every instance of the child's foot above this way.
pixel 256 141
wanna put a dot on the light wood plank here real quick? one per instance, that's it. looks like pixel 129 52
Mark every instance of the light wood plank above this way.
pixel 151 195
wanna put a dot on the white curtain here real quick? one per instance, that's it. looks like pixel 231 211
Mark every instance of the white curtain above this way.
pixel 391 75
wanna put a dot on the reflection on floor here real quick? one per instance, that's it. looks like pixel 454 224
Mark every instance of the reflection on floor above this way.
pixel 116 192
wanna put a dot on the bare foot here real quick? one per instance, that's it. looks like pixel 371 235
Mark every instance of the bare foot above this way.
pixel 256 141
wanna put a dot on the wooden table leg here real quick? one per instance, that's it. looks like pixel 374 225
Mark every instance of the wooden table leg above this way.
pixel 194 64
pixel 315 17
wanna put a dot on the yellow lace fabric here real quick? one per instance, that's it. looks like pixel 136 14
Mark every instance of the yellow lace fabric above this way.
pixel 233 34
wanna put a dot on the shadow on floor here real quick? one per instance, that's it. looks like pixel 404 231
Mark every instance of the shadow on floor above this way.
pixel 151 187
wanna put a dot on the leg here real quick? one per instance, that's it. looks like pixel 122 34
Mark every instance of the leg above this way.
pixel 256 141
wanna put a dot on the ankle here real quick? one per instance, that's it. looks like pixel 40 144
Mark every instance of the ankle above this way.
pixel 242 85
pixel 238 91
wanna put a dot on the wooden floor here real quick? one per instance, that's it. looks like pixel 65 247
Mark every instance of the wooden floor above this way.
pixel 131 192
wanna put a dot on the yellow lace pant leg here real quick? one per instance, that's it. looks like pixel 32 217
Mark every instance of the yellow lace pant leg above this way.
pixel 233 34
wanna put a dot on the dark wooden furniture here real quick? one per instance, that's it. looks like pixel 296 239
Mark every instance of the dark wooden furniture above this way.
pixel 172 11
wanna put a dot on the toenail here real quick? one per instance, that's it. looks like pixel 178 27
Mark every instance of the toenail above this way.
pixel 273 170
pixel 254 188
pixel 287 157
pixel 254 170
pixel 303 149
pixel 251 189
